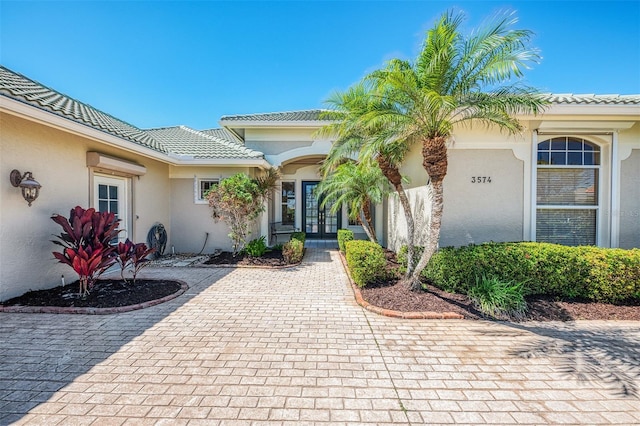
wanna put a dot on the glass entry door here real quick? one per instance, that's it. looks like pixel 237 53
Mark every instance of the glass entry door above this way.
pixel 318 222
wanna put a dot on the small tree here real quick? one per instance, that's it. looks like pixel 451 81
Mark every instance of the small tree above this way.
pixel 238 201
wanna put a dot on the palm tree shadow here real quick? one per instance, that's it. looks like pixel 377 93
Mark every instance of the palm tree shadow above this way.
pixel 607 356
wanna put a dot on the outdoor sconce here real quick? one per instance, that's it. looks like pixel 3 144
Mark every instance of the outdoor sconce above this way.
pixel 29 186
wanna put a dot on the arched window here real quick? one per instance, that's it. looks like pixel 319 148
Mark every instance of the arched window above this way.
pixel 568 175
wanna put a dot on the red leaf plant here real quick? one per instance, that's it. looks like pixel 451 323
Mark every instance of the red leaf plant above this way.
pixel 134 255
pixel 86 243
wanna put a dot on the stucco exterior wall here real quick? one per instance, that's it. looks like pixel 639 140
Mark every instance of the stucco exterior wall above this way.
pixel 277 141
pixel 630 201
pixel 57 160
pixel 475 210
pixel 190 221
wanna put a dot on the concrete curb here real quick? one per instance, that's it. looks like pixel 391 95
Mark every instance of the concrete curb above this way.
pixel 93 311
pixel 389 312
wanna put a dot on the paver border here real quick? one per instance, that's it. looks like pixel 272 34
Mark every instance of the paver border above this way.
pixel 95 311
pixel 389 312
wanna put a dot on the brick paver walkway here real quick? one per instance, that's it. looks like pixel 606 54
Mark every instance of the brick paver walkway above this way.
pixel 292 347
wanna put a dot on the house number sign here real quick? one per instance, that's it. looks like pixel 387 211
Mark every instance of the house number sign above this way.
pixel 480 179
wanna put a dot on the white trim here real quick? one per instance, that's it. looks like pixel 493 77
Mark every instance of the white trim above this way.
pixel 319 147
pixel 246 124
pixel 105 162
pixel 196 188
pixel 124 201
pixel 533 199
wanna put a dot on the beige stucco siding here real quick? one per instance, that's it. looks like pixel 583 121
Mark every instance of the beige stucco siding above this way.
pixel 476 210
pixel 57 160
pixel 630 201
pixel 277 141
pixel 191 220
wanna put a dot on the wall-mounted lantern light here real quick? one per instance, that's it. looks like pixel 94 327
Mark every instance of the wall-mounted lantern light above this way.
pixel 29 186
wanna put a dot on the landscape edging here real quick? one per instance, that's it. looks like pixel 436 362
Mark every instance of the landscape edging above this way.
pixel 389 312
pixel 94 311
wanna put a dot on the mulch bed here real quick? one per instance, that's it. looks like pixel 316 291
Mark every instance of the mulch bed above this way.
pixel 390 294
pixel 387 294
pixel 104 294
pixel 271 258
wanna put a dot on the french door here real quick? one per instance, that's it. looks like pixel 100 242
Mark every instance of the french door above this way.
pixel 318 222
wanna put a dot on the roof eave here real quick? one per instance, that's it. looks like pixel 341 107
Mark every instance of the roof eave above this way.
pixel 245 124
pixel 30 112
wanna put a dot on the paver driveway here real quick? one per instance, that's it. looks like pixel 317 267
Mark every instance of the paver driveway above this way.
pixel 291 346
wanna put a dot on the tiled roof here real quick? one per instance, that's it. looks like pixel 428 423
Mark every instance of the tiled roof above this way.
pixel 190 143
pixel 223 134
pixel 23 89
pixel 303 115
pixel 594 99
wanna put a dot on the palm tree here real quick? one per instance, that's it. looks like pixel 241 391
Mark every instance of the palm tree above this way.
pixel 358 186
pixel 454 80
pixel 356 135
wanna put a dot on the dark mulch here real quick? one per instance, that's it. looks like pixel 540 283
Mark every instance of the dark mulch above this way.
pixel 269 259
pixel 104 294
pixel 390 294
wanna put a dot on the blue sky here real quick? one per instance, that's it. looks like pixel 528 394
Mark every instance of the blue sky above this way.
pixel 161 63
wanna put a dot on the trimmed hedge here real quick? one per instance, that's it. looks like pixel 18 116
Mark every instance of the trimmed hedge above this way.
pixel 597 274
pixel 365 260
pixel 293 251
pixel 344 235
pixel 300 236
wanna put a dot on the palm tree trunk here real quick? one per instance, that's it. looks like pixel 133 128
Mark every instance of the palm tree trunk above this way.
pixel 395 178
pixel 435 222
pixel 434 155
pixel 367 224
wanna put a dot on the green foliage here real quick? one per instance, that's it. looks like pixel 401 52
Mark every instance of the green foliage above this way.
pixel 238 201
pixel 593 273
pixel 403 253
pixel 499 299
pixel 293 251
pixel 256 247
pixel 366 261
pixel 344 235
pixel 300 236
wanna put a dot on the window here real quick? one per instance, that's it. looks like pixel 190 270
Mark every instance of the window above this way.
pixel 288 203
pixel 202 186
pixel 568 177
pixel 110 195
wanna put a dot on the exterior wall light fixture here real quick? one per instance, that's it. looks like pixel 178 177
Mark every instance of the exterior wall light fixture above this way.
pixel 29 186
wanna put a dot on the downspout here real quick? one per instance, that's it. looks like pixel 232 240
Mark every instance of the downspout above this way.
pixel 534 185
pixel 614 222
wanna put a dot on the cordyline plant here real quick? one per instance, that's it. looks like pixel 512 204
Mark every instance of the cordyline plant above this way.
pixel 86 244
pixel 133 255
pixel 238 201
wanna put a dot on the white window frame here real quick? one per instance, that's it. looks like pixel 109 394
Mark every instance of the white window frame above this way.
pixel 197 186
pixel 599 183
pixel 278 215
pixel 124 201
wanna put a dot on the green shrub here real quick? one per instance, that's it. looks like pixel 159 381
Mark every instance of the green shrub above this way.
pixel 255 248
pixel 293 251
pixel 402 256
pixel 499 299
pixel 344 235
pixel 593 273
pixel 366 261
pixel 300 236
